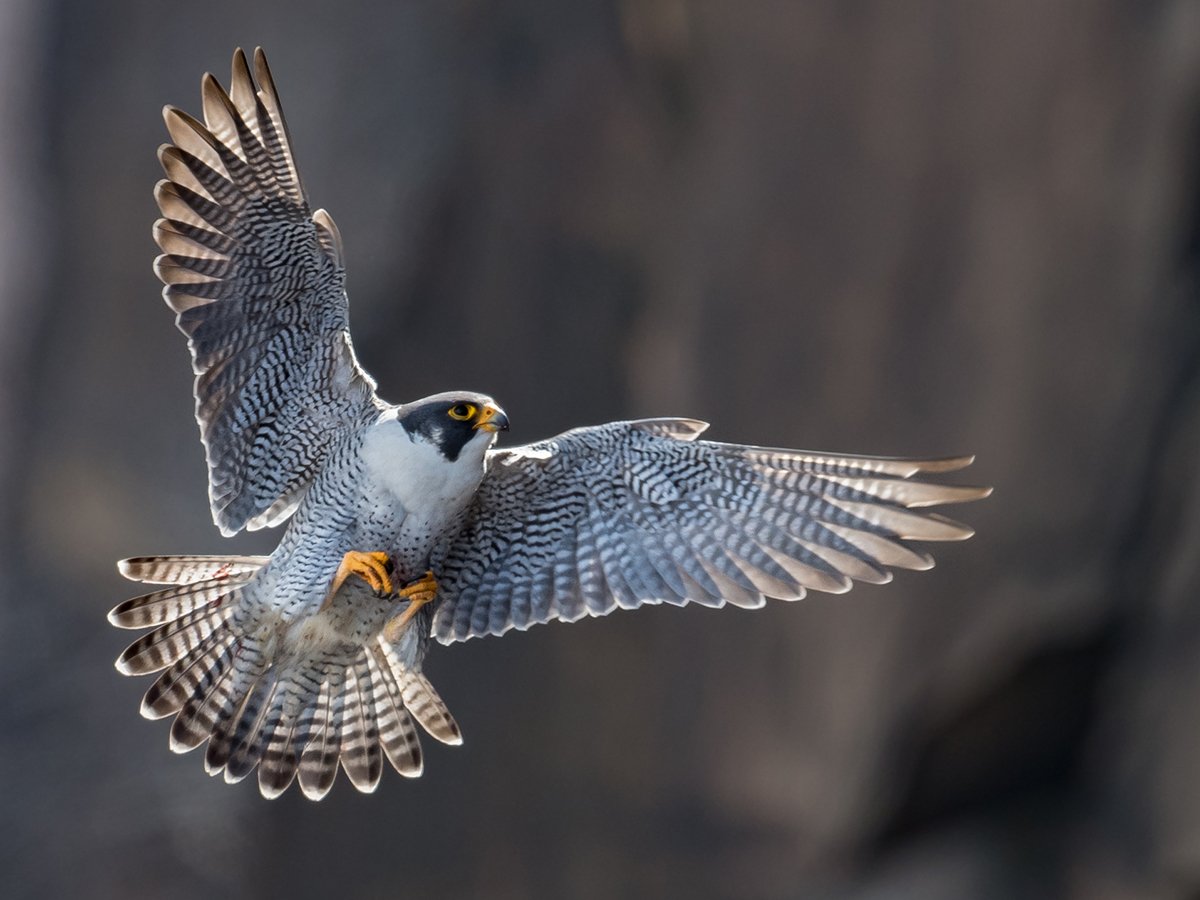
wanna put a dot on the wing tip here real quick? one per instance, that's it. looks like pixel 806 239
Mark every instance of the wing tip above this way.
pixel 211 90
pixel 950 530
pixel 948 493
pixel 162 188
pixel 262 70
pixel 944 464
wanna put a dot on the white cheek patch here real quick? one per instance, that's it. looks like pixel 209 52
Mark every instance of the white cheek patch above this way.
pixel 437 436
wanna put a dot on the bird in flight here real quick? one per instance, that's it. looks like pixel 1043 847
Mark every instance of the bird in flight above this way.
pixel 404 522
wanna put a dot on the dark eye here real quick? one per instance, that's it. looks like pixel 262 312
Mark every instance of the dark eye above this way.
pixel 461 411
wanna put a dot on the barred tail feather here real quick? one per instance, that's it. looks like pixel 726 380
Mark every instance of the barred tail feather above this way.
pixel 319 761
pixel 294 719
pixel 231 695
pixel 397 733
pixel 189 676
pixel 362 757
pixel 171 642
pixel 280 757
pixel 194 722
pixel 190 569
pixel 418 696
pixel 288 731
pixel 258 717
pixel 165 606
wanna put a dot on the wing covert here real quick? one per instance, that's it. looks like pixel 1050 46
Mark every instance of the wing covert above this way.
pixel 631 513
pixel 257 282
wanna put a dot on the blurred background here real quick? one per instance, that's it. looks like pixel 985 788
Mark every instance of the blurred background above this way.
pixel 914 229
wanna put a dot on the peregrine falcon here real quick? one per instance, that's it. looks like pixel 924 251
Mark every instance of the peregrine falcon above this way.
pixel 404 523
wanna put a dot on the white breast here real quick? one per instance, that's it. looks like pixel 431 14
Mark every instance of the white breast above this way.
pixel 414 475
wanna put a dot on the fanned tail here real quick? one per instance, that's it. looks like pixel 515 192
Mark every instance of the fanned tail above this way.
pixel 295 720
pixel 365 714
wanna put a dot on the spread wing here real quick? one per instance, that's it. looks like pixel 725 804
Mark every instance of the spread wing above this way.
pixel 257 281
pixel 641 512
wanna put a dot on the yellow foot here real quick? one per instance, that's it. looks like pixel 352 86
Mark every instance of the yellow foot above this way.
pixel 418 593
pixel 371 567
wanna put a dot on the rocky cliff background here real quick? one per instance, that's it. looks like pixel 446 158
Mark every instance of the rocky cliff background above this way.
pixel 922 228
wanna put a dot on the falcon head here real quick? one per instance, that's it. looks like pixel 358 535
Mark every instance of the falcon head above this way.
pixel 453 421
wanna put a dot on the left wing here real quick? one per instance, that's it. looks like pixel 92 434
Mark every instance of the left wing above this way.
pixel 641 512
pixel 257 282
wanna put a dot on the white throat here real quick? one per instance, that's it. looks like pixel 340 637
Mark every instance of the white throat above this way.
pixel 419 478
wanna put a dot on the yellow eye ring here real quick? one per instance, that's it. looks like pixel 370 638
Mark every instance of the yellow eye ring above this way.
pixel 462 411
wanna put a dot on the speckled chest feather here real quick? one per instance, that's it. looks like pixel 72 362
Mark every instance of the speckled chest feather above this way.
pixel 413 495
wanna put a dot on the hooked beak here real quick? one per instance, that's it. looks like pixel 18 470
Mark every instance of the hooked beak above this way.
pixel 491 418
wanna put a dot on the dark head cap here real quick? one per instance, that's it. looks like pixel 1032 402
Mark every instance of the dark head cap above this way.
pixel 450 421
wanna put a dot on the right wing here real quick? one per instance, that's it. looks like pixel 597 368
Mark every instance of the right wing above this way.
pixel 619 515
pixel 258 284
